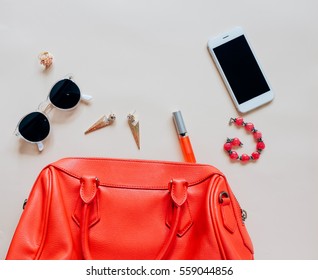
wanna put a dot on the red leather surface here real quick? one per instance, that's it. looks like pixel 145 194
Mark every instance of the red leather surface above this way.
pixel 133 212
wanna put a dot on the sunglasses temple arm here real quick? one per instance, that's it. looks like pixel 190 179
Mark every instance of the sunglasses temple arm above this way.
pixel 86 97
pixel 40 146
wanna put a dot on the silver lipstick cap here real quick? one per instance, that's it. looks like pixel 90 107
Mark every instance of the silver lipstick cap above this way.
pixel 179 123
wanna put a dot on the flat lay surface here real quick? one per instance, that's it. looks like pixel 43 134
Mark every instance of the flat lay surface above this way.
pixel 150 59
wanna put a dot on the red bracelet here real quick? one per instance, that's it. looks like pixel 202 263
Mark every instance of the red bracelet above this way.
pixel 235 142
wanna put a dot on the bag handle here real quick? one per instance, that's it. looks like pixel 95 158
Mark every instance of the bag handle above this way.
pixel 89 185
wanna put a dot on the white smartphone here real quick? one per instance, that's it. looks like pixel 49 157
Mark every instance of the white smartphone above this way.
pixel 240 70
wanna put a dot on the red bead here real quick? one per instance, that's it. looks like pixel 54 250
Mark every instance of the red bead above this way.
pixel 260 145
pixel 249 126
pixel 239 121
pixel 256 155
pixel 257 135
pixel 234 155
pixel 228 146
pixel 236 142
pixel 245 157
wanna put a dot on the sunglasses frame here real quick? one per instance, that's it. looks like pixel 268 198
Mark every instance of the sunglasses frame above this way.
pixel 45 111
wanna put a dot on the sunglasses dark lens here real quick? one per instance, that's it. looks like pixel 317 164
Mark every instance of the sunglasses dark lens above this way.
pixel 65 94
pixel 34 127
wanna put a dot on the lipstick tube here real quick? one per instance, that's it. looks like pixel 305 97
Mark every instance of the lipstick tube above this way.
pixel 184 139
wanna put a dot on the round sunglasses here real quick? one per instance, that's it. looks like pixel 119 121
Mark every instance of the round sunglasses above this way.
pixel 35 126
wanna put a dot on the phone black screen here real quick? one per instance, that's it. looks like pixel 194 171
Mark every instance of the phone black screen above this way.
pixel 241 69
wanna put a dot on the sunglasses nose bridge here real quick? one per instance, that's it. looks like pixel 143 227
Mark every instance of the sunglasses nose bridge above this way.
pixel 46 107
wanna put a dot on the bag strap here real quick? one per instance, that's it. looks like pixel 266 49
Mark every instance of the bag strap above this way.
pixel 88 191
pixel 89 185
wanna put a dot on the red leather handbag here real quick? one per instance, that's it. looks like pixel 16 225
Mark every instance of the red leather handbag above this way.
pixel 94 208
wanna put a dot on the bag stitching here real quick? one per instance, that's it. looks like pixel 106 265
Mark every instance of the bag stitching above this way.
pixel 105 184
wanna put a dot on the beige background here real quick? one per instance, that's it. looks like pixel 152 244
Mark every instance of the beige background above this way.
pixel 151 56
